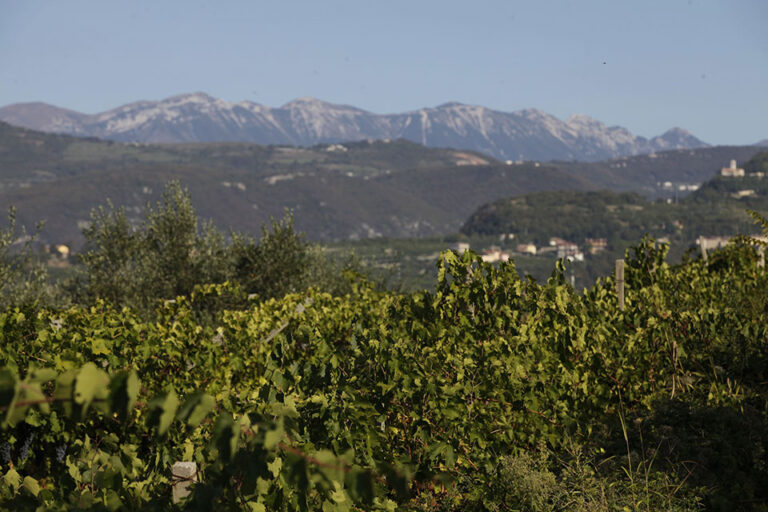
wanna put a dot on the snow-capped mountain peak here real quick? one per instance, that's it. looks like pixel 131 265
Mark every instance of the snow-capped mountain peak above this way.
pixel 198 117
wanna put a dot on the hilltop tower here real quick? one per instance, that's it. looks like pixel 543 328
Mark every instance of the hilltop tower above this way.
pixel 733 171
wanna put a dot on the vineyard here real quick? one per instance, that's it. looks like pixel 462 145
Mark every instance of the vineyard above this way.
pixel 490 392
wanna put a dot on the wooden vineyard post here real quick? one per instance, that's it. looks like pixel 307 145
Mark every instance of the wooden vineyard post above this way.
pixel 761 256
pixel 620 283
pixel 182 475
pixel 703 244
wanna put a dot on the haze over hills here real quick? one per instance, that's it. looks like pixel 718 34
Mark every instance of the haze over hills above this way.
pixel 337 192
pixel 528 134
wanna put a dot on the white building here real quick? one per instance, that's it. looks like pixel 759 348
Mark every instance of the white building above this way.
pixel 713 242
pixel 732 171
pixel 494 254
pixel 568 250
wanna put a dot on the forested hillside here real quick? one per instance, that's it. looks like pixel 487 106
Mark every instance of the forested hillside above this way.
pixel 337 192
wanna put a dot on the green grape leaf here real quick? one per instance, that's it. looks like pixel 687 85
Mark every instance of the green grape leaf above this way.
pixel 274 436
pixel 359 484
pixel 123 391
pixel 91 384
pixel 195 408
pixel 42 375
pixel 162 411
pixel 65 386
pixel 31 485
pixel 12 479
pixel 8 384
pixel 225 436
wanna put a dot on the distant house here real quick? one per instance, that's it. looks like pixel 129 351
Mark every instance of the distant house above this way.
pixel 494 254
pixel 712 242
pixel 526 249
pixel 743 193
pixel 732 171
pixel 567 249
pixel 595 245
pixel 469 159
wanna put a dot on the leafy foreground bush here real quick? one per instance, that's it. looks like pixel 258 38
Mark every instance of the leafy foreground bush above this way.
pixel 490 393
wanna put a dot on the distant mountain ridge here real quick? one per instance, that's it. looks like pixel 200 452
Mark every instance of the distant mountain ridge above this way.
pixel 528 134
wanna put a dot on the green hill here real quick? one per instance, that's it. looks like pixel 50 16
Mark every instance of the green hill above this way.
pixel 718 208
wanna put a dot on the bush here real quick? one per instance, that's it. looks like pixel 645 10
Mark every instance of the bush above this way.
pixel 276 264
pixel 163 258
pixel 169 255
pixel 23 279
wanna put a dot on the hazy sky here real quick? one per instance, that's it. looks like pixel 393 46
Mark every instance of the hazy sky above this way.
pixel 647 65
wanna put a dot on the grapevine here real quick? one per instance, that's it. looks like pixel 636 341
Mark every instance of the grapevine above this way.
pixel 380 401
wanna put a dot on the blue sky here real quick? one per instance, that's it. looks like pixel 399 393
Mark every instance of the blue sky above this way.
pixel 647 65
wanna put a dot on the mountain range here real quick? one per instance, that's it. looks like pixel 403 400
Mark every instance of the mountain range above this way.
pixel 528 134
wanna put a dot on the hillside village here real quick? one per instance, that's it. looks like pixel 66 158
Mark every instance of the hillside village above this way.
pixel 589 229
pixel 557 247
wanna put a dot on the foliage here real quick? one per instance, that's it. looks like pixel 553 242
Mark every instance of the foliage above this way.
pixel 480 395
pixel 23 279
pixel 168 255
pixel 490 392
pixel 276 264
pixel 542 480
pixel 104 471
pixel 763 223
pixel 758 163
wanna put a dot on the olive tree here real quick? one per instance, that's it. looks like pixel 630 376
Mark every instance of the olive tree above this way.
pixel 23 278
